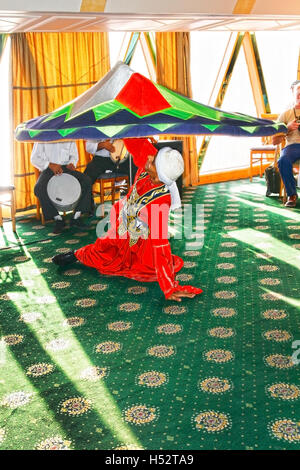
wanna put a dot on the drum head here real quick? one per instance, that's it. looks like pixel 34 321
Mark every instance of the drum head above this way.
pixel 64 191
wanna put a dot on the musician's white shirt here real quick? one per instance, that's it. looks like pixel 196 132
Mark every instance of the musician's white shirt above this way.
pixel 91 147
pixel 62 153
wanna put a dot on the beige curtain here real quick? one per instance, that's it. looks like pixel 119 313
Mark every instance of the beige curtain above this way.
pixel 48 70
pixel 173 71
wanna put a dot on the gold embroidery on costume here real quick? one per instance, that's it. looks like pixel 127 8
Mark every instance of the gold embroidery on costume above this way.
pixel 128 218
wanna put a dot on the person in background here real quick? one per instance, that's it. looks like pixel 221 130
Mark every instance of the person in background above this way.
pixel 291 152
pixel 54 159
pixel 102 162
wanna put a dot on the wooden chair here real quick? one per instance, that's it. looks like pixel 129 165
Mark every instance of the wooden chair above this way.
pixel 39 212
pixel 264 153
pixel 110 185
pixel 7 198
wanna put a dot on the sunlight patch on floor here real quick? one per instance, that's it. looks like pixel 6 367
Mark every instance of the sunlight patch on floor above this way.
pixel 71 359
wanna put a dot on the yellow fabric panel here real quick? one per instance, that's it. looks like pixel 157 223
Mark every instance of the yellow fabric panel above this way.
pixel 243 7
pixel 173 71
pixel 48 70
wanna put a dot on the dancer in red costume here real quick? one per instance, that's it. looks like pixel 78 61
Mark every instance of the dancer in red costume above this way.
pixel 136 245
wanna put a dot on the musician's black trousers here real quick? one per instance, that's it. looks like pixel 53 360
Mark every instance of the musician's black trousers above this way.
pixel 40 190
pixel 99 165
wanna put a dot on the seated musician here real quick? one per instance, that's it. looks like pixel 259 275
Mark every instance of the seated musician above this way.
pixel 102 161
pixel 137 246
pixel 55 159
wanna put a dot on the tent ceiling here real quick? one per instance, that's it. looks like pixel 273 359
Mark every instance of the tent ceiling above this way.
pixel 13 22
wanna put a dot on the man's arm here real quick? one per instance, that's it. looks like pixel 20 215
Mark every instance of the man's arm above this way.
pixel 40 159
pixel 107 145
pixel 93 147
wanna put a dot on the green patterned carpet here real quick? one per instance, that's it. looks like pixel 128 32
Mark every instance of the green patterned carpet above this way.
pixel 91 362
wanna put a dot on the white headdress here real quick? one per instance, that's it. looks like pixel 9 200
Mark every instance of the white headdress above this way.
pixel 169 166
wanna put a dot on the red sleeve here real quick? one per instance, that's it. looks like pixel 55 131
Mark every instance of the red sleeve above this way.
pixel 164 269
pixel 163 259
pixel 140 149
pixel 165 272
pixel 156 216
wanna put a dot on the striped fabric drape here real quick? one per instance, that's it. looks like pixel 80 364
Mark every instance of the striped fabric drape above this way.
pixel 48 70
pixel 173 71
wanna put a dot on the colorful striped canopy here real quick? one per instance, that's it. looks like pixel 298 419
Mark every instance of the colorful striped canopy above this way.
pixel 126 104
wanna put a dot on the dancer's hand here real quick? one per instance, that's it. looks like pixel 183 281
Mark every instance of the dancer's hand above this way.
pixel 179 294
